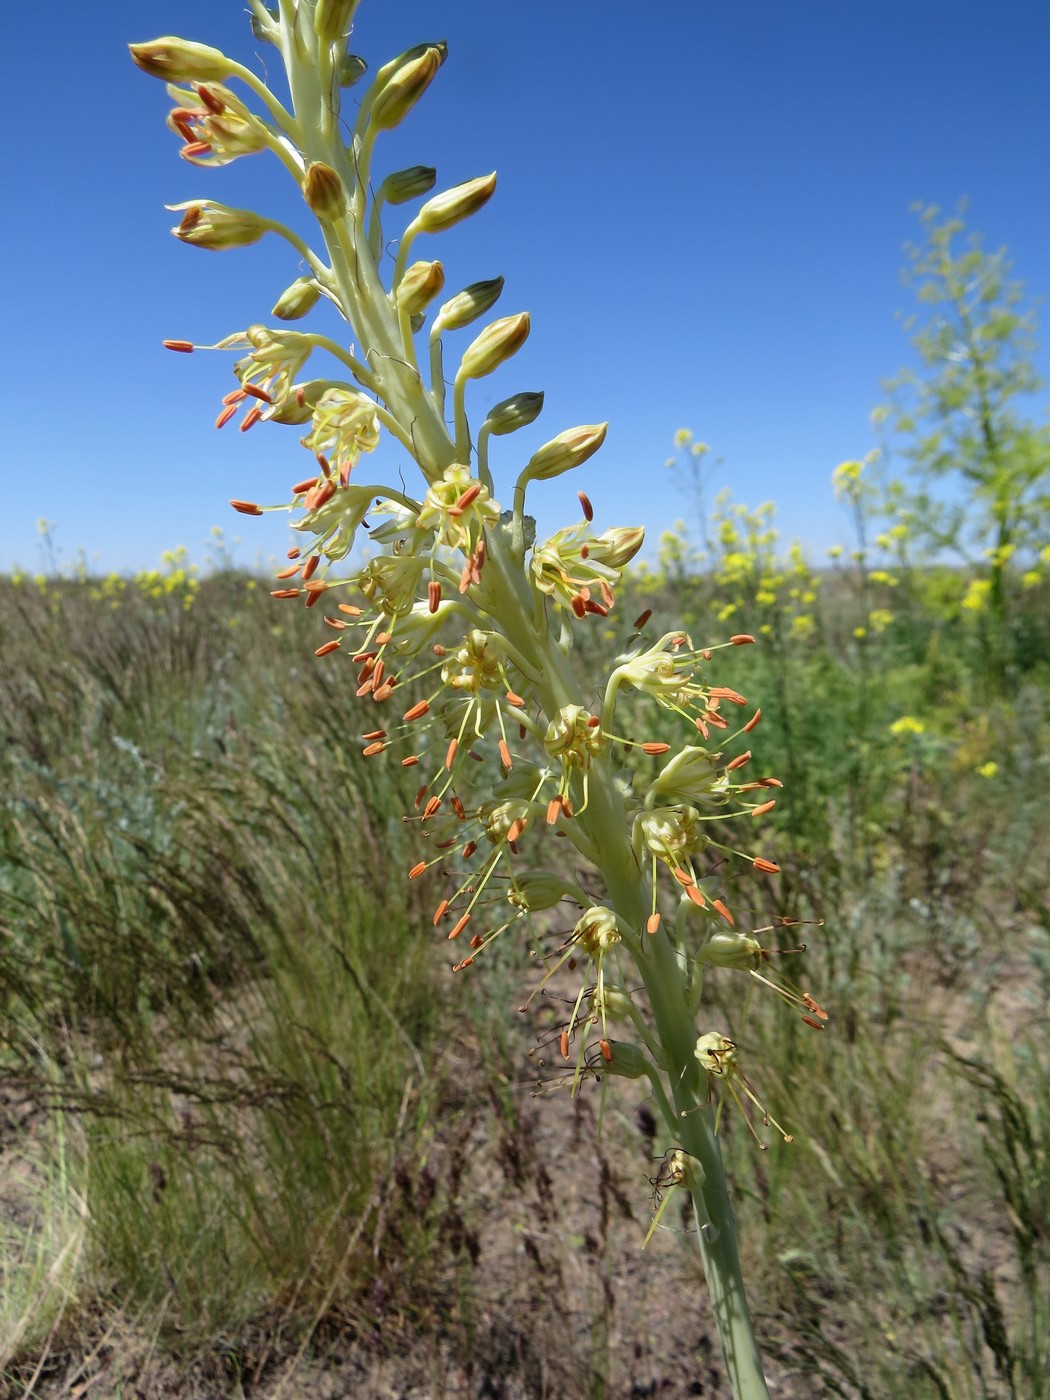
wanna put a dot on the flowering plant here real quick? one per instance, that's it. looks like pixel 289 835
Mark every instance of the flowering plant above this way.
pixel 460 599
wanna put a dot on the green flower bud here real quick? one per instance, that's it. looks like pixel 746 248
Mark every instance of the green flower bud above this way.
pixel 216 226
pixel 332 19
pixel 388 70
pixel 495 344
pixel 352 69
pixel 323 191
pixel 735 950
pixel 617 546
pixel 516 412
pixel 402 185
pixel 541 889
pixel 180 61
pixel 406 85
pixel 466 306
pixel 628 1060
pixel 567 450
pixel 614 1002
pixel 452 206
pixel 419 286
pixel 295 301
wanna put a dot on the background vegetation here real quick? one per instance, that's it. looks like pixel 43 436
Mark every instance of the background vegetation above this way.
pixel 257 1140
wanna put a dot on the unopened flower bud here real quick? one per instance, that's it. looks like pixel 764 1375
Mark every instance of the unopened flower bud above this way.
pixel 323 191
pixel 516 412
pixel 352 69
pixel 295 301
pixel 567 450
pixel 216 226
pixel 452 206
pixel 618 545
pixel 540 889
pixel 332 19
pixel 466 306
pixel 735 950
pixel 495 344
pixel 406 86
pixel 419 286
pixel 181 61
pixel 614 1002
pixel 625 1059
pixel 402 185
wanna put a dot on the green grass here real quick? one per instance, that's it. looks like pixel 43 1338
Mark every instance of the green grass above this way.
pixel 254 1097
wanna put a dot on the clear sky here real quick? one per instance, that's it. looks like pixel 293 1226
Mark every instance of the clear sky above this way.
pixel 702 203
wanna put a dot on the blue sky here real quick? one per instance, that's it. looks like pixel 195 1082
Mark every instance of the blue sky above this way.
pixel 702 204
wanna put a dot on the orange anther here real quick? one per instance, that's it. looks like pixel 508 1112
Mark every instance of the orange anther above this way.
pixel 753 722
pixel 253 391
pixel 720 908
pixel 417 869
pixel 652 923
pixel 654 748
pixel 301 487
pixel 515 700
pixel 374 734
pixel 585 505
pixel 416 710
pixel 642 619
pixel 246 507
pixel 251 418
pixel 433 595
pixel 284 592
pixel 349 609
pixel 450 753
pixel 763 807
pixel 469 496
pixel 766 866
pixel 606 1050
pixel 738 762
pixel 371 749
pixel 316 585
pixel 504 754
pixel 433 804
pixel 459 926
pixel 563 1044
pixel 289 573
pixel 310 567
pixel 696 894
pixel 742 639
pixel 440 912
pixel 411 761
pixel 327 647
pixel 184 347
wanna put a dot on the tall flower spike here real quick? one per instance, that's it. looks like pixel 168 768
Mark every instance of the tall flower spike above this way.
pixel 461 630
